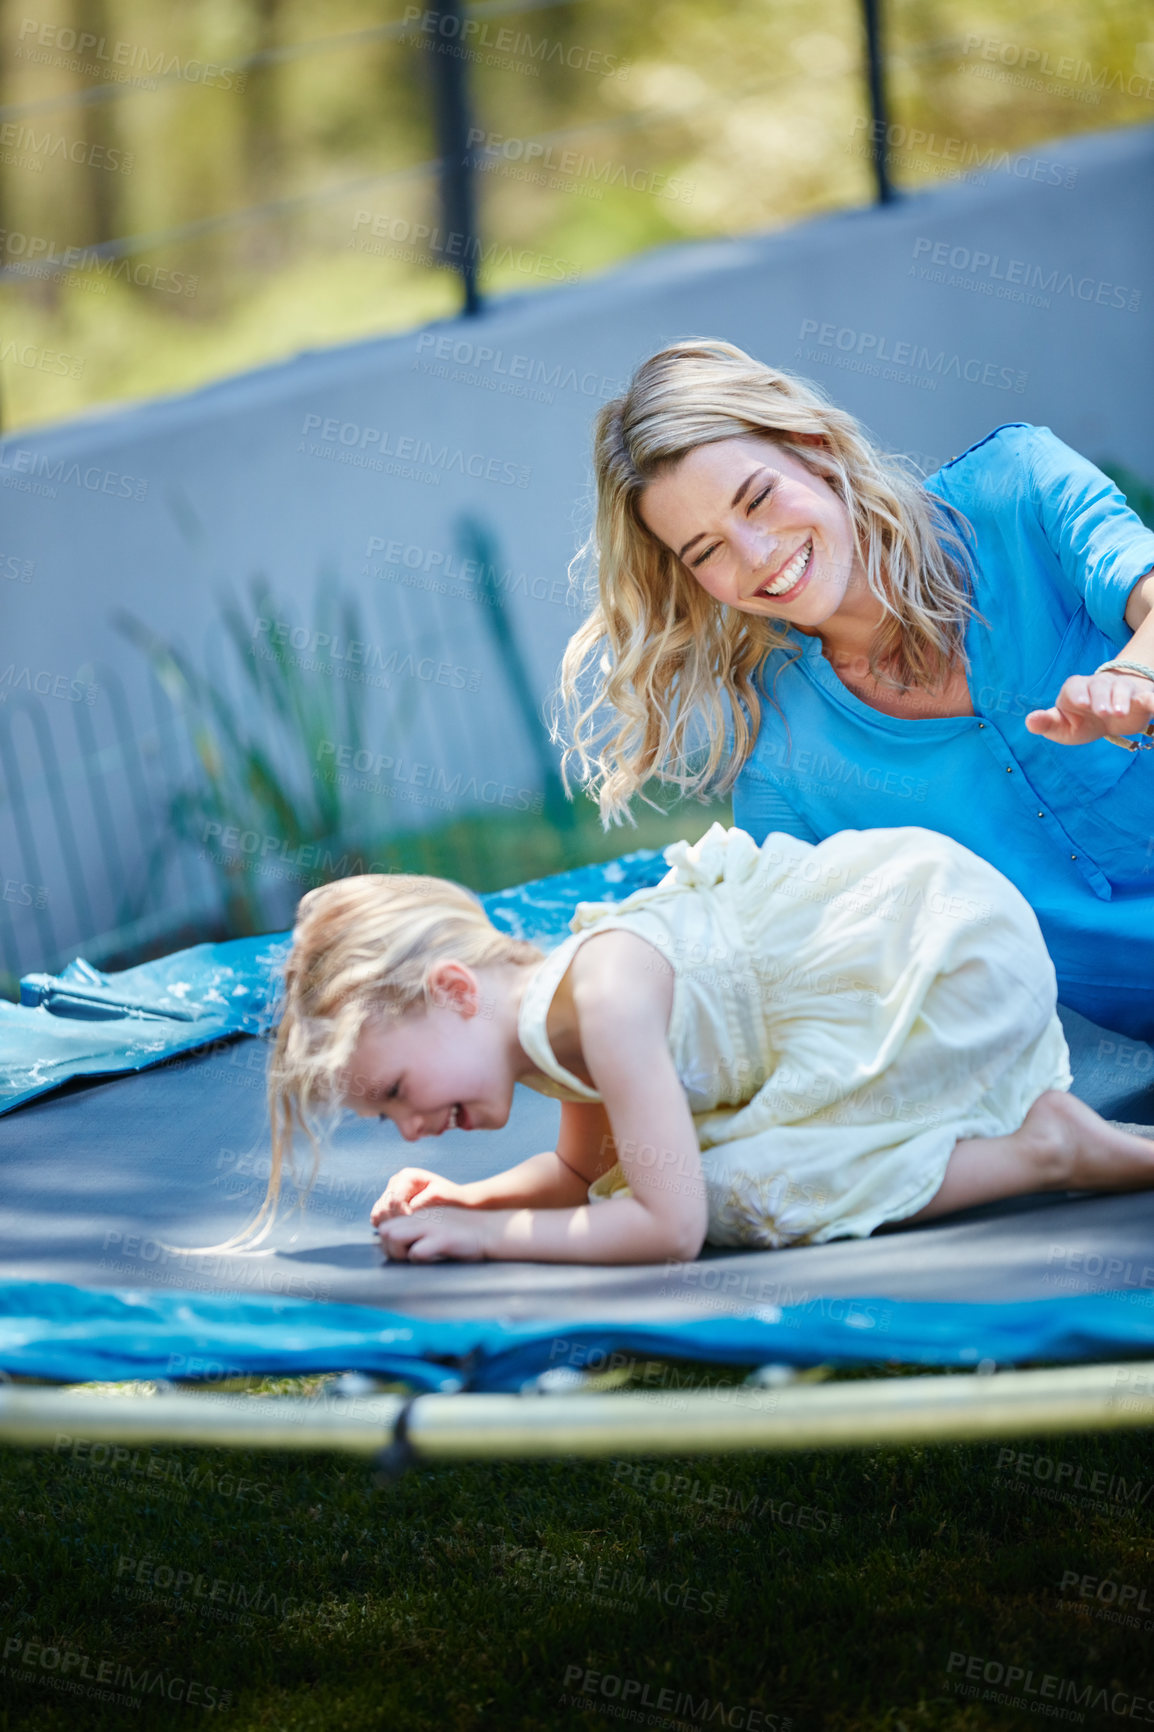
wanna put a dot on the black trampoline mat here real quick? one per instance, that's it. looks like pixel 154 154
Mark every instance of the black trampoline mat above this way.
pixel 100 1176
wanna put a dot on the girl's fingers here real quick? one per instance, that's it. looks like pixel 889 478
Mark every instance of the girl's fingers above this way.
pixel 399 1193
pixel 404 1186
pixel 427 1250
pixel 416 1239
pixel 387 1209
pixel 417 1248
pixel 404 1228
pixel 393 1244
pixel 430 1197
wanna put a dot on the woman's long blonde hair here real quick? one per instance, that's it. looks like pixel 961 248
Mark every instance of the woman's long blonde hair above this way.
pixel 665 650
pixel 361 947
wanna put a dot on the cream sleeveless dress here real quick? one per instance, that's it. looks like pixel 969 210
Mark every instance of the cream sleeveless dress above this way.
pixel 843 1012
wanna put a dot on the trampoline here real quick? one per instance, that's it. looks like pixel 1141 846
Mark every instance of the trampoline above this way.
pixel 134 1123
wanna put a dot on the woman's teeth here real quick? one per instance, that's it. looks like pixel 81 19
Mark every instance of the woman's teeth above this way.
pixel 793 572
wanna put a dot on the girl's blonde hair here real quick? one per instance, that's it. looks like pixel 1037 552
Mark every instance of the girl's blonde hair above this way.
pixel 665 650
pixel 361 947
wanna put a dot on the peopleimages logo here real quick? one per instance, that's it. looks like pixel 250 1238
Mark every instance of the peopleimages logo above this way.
pixel 31 149
pixel 38 254
pixel 976 263
pixel 583 1685
pixel 157 1575
pixel 516 368
pixel 153 63
pixel 395 237
pixel 871 347
pixel 1030 1689
pixel 349 442
pixel 474 35
pixel 41 1657
pixel 428 783
pixel 497 150
pixel 1034 65
pixel 46 473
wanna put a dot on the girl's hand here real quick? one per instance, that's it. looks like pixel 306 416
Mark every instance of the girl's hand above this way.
pixel 414 1188
pixel 435 1235
pixel 1091 705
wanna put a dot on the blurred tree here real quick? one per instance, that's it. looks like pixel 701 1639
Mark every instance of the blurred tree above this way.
pixel 755 110
pixel 99 200
pixel 263 134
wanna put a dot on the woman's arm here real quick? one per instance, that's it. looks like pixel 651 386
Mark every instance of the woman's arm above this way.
pixel 622 1003
pixel 1091 705
pixel 1106 554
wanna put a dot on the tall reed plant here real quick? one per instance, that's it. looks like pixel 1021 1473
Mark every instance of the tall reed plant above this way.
pixel 266 757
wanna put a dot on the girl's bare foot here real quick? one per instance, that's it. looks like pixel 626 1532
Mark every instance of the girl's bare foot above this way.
pixel 1075 1149
pixel 1061 1145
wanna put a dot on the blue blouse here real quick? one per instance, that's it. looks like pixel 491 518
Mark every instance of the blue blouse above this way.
pixel 1057 552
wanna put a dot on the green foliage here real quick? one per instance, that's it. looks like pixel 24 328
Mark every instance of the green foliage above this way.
pixel 265 769
pixel 262 759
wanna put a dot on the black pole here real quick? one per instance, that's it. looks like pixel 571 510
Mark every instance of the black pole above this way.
pixel 451 116
pixel 886 193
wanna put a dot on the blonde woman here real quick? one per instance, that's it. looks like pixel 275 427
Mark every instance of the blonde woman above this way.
pixel 787 612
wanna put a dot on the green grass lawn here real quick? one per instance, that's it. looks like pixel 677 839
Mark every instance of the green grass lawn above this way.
pixel 819 1590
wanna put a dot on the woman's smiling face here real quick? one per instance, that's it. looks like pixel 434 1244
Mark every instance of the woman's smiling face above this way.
pixel 757 530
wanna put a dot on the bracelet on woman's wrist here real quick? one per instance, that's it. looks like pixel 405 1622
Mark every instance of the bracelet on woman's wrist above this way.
pixel 1124 665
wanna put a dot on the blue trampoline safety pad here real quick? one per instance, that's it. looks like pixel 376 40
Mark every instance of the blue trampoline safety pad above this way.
pixel 72 1334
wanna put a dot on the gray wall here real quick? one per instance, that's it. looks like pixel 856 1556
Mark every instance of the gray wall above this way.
pixel 1022 294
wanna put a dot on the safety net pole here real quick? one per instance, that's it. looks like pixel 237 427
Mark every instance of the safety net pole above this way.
pixel 436 1427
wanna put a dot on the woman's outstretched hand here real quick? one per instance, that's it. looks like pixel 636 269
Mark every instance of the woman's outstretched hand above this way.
pixel 434 1235
pixel 414 1188
pixel 1092 705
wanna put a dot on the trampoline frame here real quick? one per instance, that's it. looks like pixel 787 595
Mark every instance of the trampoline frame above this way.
pixel 404 1430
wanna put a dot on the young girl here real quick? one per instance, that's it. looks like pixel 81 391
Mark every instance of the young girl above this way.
pixel 772 1046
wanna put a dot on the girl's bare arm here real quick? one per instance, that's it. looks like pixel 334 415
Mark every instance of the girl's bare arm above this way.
pixel 558 1178
pixel 656 1142
pixel 622 994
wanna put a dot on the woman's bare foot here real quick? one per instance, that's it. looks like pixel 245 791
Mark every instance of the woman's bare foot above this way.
pixel 1075 1149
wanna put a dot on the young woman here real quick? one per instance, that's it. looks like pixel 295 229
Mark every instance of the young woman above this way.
pixel 787 611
